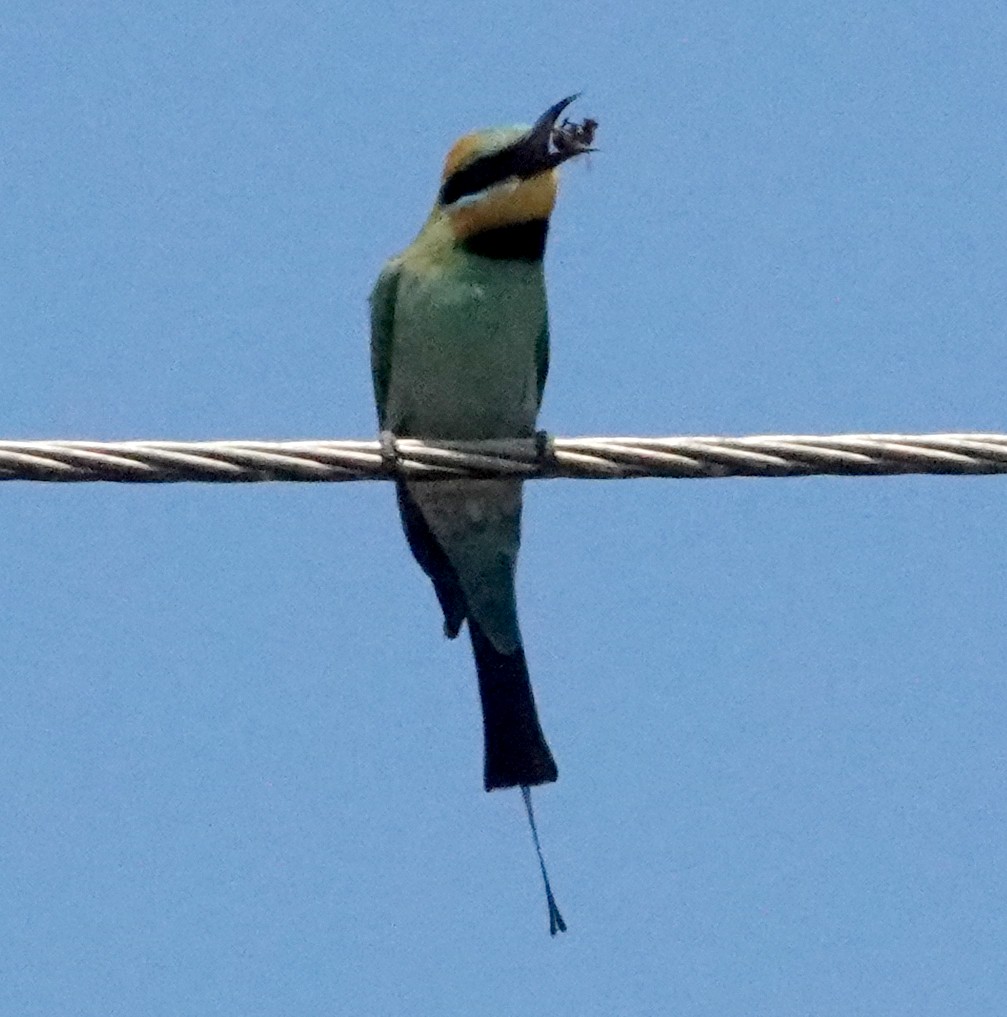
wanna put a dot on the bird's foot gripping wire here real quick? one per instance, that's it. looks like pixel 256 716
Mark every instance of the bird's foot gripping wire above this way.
pixel 389 453
pixel 556 923
pixel 545 453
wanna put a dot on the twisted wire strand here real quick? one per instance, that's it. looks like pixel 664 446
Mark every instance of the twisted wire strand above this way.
pixel 786 455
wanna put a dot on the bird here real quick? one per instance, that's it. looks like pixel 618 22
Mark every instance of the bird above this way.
pixel 460 351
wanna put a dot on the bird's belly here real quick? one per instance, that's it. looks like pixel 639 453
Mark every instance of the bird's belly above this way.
pixel 465 361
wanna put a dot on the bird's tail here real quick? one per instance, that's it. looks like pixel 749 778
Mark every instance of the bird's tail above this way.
pixel 516 749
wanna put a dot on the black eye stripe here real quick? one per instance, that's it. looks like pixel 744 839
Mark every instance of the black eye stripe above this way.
pixel 515 161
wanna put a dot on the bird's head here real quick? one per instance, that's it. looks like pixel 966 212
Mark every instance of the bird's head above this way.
pixel 506 176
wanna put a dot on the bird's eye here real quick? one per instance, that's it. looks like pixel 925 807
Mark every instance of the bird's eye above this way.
pixel 479 176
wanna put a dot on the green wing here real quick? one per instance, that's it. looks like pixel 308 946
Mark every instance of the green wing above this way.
pixel 382 333
pixel 542 358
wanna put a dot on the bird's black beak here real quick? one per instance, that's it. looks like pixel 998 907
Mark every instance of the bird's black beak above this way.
pixel 545 146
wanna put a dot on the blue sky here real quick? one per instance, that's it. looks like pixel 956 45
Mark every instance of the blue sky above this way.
pixel 241 768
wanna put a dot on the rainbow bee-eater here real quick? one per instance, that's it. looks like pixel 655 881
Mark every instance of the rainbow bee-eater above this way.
pixel 460 350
